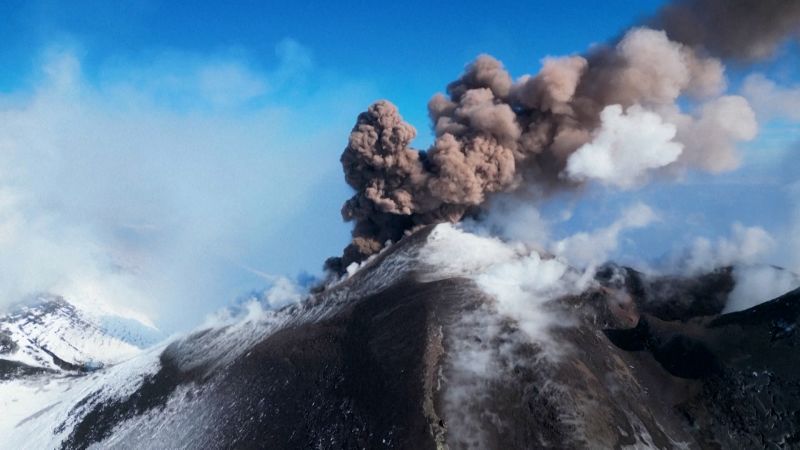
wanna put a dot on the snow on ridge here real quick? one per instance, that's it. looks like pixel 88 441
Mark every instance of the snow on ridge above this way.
pixel 52 333
pixel 521 280
pixel 34 409
pixel 57 340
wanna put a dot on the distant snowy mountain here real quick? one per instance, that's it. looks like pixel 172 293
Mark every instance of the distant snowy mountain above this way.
pixel 51 334
pixel 51 350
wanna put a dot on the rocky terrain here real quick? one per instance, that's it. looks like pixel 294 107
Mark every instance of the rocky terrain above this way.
pixel 405 353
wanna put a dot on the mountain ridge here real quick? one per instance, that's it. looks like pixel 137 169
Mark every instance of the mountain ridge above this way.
pixel 404 354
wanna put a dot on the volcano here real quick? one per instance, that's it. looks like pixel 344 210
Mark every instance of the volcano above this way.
pixel 401 354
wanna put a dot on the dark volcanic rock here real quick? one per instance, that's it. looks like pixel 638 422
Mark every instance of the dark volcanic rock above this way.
pixel 744 364
pixel 7 344
pixel 673 297
pixel 15 369
pixel 394 359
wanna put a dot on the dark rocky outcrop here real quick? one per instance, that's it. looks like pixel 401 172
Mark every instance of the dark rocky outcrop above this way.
pixel 15 369
pixel 672 297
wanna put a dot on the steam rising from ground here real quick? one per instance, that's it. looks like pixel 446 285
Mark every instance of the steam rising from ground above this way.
pixel 652 104
pixel 746 245
pixel 522 278
pixel 756 284
pixel 744 250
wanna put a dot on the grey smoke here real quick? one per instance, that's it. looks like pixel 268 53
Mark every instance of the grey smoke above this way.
pixel 739 29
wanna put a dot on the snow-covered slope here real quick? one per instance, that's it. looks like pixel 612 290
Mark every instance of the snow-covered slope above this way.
pixel 50 353
pixel 52 334
pixel 34 407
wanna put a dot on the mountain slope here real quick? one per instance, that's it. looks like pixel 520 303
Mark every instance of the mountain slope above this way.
pixel 52 334
pixel 412 351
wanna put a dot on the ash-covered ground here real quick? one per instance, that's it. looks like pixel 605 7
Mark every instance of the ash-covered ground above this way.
pixel 408 352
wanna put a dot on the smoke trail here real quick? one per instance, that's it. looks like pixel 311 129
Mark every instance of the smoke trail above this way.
pixel 739 29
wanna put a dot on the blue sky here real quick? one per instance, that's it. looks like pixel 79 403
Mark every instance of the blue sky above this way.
pixel 407 52
pixel 207 138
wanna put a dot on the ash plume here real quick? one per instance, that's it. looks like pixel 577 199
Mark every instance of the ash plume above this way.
pixel 737 29
pixel 616 116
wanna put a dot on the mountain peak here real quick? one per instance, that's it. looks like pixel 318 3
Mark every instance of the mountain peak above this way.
pixel 50 333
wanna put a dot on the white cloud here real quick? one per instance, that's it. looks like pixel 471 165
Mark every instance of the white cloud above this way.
pixel 586 249
pixel 153 184
pixel 202 81
pixel 793 239
pixel 770 100
pixel 625 148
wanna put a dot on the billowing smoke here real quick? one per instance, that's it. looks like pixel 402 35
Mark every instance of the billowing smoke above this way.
pixel 652 104
pixel 770 100
pixel 740 29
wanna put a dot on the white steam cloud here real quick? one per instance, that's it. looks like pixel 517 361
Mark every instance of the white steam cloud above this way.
pixel 588 249
pixel 793 239
pixel 626 146
pixel 520 279
pixel 746 245
pixel 757 284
